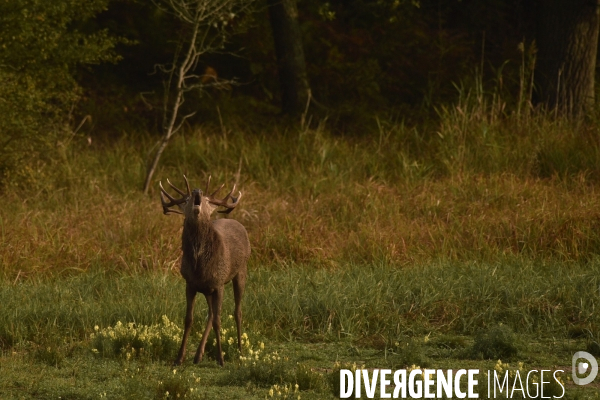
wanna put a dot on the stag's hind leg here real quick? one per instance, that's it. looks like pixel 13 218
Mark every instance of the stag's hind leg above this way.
pixel 209 324
pixel 239 283
pixel 190 295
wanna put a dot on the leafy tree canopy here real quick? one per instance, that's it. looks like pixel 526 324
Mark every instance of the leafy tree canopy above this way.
pixel 41 43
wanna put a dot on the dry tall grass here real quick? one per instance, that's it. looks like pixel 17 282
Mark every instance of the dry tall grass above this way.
pixel 478 185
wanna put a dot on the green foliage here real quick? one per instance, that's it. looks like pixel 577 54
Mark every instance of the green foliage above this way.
pixel 593 348
pixel 39 36
pixel 41 46
pixel 284 392
pixel 229 343
pixel 159 341
pixel 264 368
pixel 498 342
pixel 334 376
pixel 411 351
pixel 176 386
pixel 308 379
pixel 572 154
pixel 451 342
pixel 50 355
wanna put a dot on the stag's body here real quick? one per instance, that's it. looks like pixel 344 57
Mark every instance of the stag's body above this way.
pixel 215 252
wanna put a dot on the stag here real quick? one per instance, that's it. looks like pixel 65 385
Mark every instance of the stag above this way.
pixel 215 252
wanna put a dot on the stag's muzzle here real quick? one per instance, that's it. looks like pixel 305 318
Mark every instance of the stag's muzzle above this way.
pixel 197 199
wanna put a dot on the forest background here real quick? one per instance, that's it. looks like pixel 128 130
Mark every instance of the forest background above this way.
pixel 420 184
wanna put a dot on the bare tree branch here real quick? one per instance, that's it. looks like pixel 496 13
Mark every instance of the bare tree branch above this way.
pixel 208 22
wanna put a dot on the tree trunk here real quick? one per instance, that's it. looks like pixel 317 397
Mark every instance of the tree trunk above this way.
pixel 567 41
pixel 283 15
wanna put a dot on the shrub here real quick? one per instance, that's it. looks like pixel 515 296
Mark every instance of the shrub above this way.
pixel 175 386
pixel 156 341
pixel 41 46
pixel 229 344
pixel 497 343
pixel 285 391
pixel 413 351
pixel 308 379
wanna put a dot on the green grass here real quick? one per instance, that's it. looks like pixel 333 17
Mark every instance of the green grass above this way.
pixel 427 315
pixel 84 376
pixel 357 302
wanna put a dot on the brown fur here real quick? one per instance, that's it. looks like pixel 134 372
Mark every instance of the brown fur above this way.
pixel 215 252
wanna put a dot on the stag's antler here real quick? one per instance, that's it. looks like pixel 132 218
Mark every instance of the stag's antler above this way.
pixel 173 201
pixel 223 202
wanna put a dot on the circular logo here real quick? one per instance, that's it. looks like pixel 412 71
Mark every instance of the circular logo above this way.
pixel 581 368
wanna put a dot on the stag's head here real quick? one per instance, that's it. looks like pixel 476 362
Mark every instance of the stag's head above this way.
pixel 196 204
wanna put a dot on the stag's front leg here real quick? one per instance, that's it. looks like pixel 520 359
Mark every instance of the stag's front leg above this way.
pixel 209 321
pixel 239 282
pixel 217 301
pixel 190 295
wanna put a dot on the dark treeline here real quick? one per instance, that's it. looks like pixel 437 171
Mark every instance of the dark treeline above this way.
pixel 372 56
pixel 354 59
pixel 362 57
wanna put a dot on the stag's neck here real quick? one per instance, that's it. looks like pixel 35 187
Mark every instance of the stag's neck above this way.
pixel 198 242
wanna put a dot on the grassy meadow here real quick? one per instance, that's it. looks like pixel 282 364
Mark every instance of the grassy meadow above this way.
pixel 456 243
